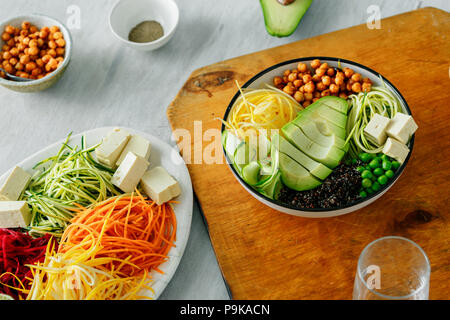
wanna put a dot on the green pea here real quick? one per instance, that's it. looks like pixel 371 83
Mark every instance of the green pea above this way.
pixel 354 161
pixel 376 186
pixel 369 190
pixel 366 183
pixel 374 164
pixel 389 174
pixel 363 194
pixel 365 157
pixel 360 169
pixel 378 172
pixel 395 165
pixel 386 165
pixel 366 174
pixel 368 168
pixel 382 179
pixel 385 157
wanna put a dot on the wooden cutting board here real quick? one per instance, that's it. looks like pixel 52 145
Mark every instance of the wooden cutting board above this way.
pixel 265 254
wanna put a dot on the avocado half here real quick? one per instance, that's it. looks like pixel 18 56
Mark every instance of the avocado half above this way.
pixel 282 20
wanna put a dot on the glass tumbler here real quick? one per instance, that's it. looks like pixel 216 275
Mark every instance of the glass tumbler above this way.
pixel 392 268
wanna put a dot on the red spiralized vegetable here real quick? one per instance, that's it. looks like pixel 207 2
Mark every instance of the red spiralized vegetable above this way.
pixel 18 249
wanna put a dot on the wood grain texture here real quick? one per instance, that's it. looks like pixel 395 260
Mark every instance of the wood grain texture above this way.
pixel 265 254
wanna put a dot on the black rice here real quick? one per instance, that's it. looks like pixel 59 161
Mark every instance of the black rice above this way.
pixel 340 188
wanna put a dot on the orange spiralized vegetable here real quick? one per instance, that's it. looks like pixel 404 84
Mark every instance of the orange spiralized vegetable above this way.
pixel 129 228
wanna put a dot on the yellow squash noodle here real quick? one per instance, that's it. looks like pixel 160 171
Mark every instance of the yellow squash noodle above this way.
pixel 261 110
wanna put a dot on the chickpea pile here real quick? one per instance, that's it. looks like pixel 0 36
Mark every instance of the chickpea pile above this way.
pixel 307 86
pixel 31 53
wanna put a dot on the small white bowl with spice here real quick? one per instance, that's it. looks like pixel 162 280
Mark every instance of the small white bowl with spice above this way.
pixel 144 24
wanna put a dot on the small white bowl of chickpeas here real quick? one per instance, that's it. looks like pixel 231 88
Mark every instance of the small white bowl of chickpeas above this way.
pixel 35 48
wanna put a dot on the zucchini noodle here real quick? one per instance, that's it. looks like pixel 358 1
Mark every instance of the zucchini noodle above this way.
pixel 260 110
pixel 380 100
pixel 73 177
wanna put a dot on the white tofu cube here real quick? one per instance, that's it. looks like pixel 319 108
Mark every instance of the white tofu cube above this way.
pixel 112 146
pixel 401 127
pixel 14 185
pixel 130 171
pixel 138 145
pixel 160 186
pixel 376 129
pixel 395 149
pixel 14 214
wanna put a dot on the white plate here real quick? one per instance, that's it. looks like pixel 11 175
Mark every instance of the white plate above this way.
pixel 161 154
pixel 266 76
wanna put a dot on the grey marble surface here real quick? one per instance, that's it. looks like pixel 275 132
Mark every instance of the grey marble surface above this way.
pixel 108 84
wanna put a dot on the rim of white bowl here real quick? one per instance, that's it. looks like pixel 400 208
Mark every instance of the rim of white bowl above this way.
pixel 67 55
pixel 143 44
pixel 349 205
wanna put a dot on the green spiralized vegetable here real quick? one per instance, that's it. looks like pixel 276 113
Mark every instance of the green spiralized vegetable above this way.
pixel 72 177
pixel 379 100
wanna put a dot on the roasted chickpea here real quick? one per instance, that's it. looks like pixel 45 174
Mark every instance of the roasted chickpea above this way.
pixel 19 66
pixel 302 67
pixel 54 29
pixel 10 29
pixel 13 61
pixel 320 86
pixel 326 80
pixel 11 42
pixel 343 95
pixel 315 99
pixel 287 72
pixel 339 80
pixel 306 104
pixel 302 89
pixel 320 72
pixel 25 59
pixel 6 36
pixel 40 42
pixel 330 72
pixel 316 94
pixel 299 97
pixel 334 88
pixel 30 66
pixel 33 51
pixel 35 72
pixel 308 96
pixel 21 47
pixel 276 80
pixel 14 52
pixel 33 29
pixel 356 87
pixel 366 87
pixel 307 78
pixel 310 87
pixel 8 68
pixel 7 55
pixel 52 53
pixel 325 93
pixel 356 77
pixel 316 78
pixel 288 89
pixel 292 77
pixel 348 72
pixel 43 33
pixel 315 64
pixel 24 33
pixel 46 58
pixel 40 63
pixel 367 80
pixel 297 83
pixel 26 25
pixel 52 44
pixel 324 66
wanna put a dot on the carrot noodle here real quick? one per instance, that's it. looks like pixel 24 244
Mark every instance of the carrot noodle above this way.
pixel 78 274
pixel 128 228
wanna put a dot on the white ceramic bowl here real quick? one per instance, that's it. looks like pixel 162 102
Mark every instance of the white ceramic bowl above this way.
pixel 266 76
pixel 39 21
pixel 126 14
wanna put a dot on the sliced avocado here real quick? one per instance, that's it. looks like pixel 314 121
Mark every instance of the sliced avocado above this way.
pixel 336 103
pixel 282 20
pixel 329 156
pixel 318 109
pixel 316 168
pixel 319 133
pixel 295 176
